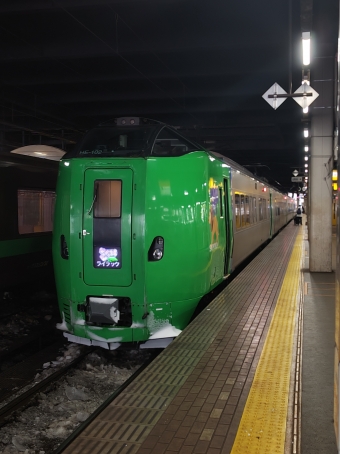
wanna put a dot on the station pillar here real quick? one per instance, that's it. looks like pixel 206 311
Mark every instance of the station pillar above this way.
pixel 321 166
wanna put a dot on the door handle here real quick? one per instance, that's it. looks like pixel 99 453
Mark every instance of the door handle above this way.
pixel 86 233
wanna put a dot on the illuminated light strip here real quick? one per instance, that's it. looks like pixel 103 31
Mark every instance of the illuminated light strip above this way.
pixel 262 429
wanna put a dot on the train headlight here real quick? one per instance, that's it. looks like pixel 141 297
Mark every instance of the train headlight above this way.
pixel 156 250
pixel 157 254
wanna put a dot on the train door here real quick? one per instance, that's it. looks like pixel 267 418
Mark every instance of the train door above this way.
pixel 228 227
pixel 106 232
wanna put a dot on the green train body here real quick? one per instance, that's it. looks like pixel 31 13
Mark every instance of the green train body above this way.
pixel 27 193
pixel 140 234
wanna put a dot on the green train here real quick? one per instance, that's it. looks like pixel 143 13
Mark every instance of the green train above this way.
pixel 147 222
pixel 27 188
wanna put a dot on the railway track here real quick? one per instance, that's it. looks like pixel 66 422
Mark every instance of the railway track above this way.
pixel 51 413
pixel 23 400
pixel 107 401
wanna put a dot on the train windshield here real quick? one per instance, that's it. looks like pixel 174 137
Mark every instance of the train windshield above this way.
pixel 114 142
pixel 132 141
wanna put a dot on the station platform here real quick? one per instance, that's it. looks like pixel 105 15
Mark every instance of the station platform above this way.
pixel 253 373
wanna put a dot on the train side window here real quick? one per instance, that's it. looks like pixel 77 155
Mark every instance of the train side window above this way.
pixel 260 210
pixel 237 211
pixel 242 211
pixel 254 209
pixel 35 211
pixel 264 203
pixel 107 198
pixel 246 210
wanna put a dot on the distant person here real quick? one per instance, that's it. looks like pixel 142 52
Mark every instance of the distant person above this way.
pixel 303 209
pixel 298 216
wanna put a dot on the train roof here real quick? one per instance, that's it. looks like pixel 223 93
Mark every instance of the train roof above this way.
pixel 234 165
pixel 143 137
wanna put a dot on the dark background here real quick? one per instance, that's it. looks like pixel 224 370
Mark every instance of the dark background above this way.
pixel 201 66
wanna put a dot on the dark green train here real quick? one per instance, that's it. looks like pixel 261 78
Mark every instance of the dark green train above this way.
pixel 27 195
pixel 147 222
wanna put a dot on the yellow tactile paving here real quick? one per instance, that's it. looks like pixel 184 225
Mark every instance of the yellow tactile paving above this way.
pixel 262 429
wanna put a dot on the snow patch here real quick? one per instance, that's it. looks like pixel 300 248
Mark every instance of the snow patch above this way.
pixel 62 326
pixel 79 321
pixel 166 331
pixel 159 328
pixel 137 325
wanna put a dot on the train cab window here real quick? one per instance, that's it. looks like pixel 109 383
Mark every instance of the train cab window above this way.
pixel 103 142
pixel 35 211
pixel 168 143
pixel 107 198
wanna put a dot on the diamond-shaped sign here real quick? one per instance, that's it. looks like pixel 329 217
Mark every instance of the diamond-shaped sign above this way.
pixel 274 90
pixel 305 101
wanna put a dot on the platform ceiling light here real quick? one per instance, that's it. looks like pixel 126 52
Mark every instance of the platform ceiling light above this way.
pixel 305 132
pixel 306 158
pixel 306 170
pixel 306 148
pixel 306 48
pixel 305 110
pixel 306 165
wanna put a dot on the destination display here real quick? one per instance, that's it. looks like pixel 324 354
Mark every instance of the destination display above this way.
pixel 107 257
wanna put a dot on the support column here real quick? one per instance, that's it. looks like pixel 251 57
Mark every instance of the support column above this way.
pixel 321 165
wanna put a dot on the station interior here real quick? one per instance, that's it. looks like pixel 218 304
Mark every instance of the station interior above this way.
pixel 256 82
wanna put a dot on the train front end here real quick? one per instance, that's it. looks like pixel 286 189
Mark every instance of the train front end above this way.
pixel 130 257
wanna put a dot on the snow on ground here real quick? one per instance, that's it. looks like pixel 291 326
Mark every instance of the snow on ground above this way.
pixel 41 428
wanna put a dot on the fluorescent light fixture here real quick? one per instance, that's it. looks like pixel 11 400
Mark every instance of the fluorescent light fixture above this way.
pixel 306 148
pixel 305 110
pixel 306 158
pixel 306 48
pixel 306 170
pixel 305 132
pixel 306 165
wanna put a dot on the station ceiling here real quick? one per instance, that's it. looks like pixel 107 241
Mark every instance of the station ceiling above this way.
pixel 68 65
